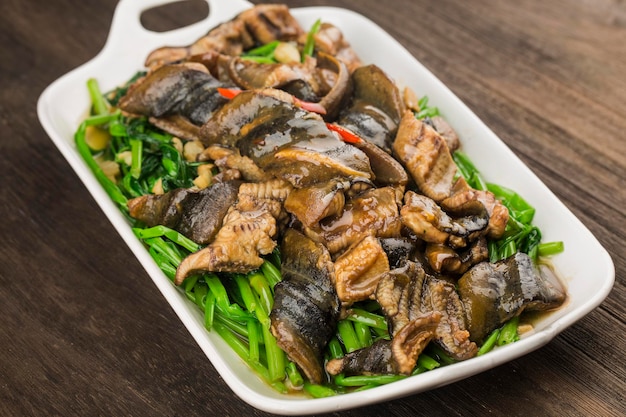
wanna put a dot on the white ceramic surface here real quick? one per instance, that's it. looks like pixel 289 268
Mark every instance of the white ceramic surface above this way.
pixel 585 265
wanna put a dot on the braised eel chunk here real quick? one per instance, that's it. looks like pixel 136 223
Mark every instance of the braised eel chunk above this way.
pixel 373 212
pixel 493 293
pixel 330 40
pixel 426 156
pixel 188 90
pixel 432 224
pixel 359 269
pixel 398 250
pixel 396 356
pixel 283 139
pixel 201 221
pixel 306 307
pixel 196 214
pixel 445 260
pixel 399 293
pixel 376 107
pixel 316 202
pixel 255 26
pixel 237 247
pixel 451 334
pixel 160 209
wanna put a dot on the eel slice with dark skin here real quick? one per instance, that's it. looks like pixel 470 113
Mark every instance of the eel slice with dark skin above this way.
pixel 306 306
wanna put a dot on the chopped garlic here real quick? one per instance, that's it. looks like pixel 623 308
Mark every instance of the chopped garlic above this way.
pixel 410 99
pixel 126 157
pixel 192 149
pixel 286 52
pixel 205 176
pixel 178 144
pixel 525 328
pixel 157 188
pixel 97 139
pixel 110 168
pixel 202 181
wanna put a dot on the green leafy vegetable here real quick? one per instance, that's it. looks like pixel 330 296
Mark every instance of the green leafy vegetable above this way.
pixel 309 46
pixel 520 234
pixel 425 110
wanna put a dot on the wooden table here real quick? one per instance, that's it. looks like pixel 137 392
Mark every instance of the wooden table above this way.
pixel 85 332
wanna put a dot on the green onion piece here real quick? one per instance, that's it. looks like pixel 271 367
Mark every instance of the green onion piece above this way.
pixel 425 110
pixel 171 234
pixel 117 129
pixel 280 387
pixel 309 45
pixel 363 333
pixel 367 318
pixel 249 300
pixel 319 391
pixel 100 105
pixel 335 349
pixel 136 148
pixel 272 273
pixel 427 362
pixel 419 370
pixel 490 342
pixel 223 304
pixel 509 334
pixel 209 310
pixel 422 102
pixel 231 338
pixel 237 327
pixel 240 348
pixel 510 248
pixel 501 192
pixel 550 248
pixel 348 335
pixel 259 59
pixel 359 380
pixel 253 340
pixel 261 287
pixel 366 387
pixel 164 249
pixel 266 50
pixel 189 285
pixel 469 171
pixel 440 354
pixel 163 263
pixel 172 162
pixel 274 257
pixel 275 356
pixel 294 375
pixel 200 290
pixel 512 200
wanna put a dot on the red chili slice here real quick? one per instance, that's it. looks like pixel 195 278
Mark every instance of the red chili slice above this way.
pixel 230 93
pixel 346 135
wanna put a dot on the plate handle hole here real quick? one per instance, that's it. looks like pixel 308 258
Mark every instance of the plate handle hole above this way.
pixel 175 15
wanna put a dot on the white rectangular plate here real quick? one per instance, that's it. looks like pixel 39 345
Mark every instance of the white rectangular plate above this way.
pixel 585 265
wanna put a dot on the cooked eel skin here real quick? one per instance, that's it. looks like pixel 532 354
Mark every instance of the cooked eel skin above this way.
pixel 306 307
pixel 196 214
pixel 258 25
pixel 389 357
pixel 237 247
pixel 376 107
pixel 493 293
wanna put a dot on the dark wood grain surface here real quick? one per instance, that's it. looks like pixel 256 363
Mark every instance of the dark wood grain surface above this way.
pixel 85 332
